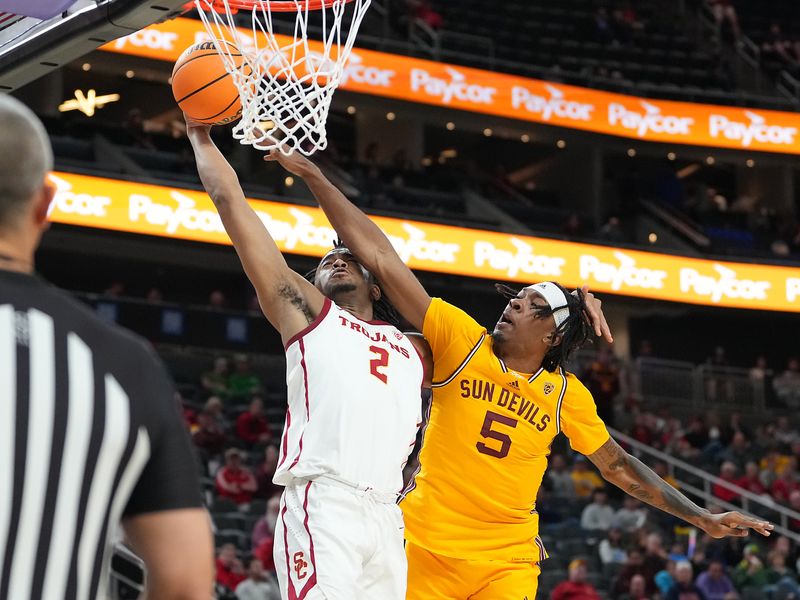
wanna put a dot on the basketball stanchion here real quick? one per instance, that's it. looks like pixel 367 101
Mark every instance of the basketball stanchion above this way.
pixel 285 82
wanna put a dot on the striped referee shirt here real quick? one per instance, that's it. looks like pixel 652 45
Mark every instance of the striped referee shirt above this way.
pixel 89 433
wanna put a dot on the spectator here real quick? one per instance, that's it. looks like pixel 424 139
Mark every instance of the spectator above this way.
pixel 784 485
pixel 750 573
pixel 760 370
pixel 772 464
pixel 230 572
pixel 612 231
pixel 213 407
pixel 738 451
pixel 215 381
pixel 631 516
pixel 715 584
pixel 655 556
pixel 235 481
pixel 751 480
pixel 794 504
pixel 258 585
pixel 576 587
pixel 217 300
pixel 784 433
pixel 611 550
pixel 584 479
pixel 641 431
pixel 665 579
pixel 603 31
pixel 264 528
pixel 154 296
pixel 252 426
pixel 598 515
pixel 634 566
pixel 573 226
pixel 264 473
pixel 637 589
pixel 115 290
pixel 684 587
pixel 604 384
pixel 727 472
pixel 787 384
pixel 560 478
pixel 243 382
pixel 777 48
pixel 422 10
pixel 208 435
pixel 696 433
pixel 780 577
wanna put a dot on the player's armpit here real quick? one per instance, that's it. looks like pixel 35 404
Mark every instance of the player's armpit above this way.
pixel 159 537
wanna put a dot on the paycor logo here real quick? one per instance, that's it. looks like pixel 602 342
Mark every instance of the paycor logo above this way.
pixel 756 130
pixel 149 38
pixel 69 202
pixel 416 245
pixel 651 120
pixel 792 289
pixel 458 87
pixel 521 260
pixel 357 71
pixel 556 104
pixel 726 285
pixel 624 273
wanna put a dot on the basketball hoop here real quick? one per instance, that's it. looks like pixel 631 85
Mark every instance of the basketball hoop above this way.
pixel 285 82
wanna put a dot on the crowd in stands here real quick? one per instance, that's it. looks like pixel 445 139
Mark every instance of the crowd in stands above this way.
pixel 602 543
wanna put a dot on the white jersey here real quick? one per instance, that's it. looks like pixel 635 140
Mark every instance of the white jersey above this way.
pixel 354 402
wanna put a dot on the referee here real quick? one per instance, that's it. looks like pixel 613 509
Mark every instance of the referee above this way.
pixel 90 436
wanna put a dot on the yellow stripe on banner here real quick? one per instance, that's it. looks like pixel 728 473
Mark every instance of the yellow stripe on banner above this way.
pixel 190 215
pixel 448 86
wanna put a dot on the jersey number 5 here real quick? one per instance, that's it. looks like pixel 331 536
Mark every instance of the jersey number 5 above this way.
pixel 489 433
pixel 382 360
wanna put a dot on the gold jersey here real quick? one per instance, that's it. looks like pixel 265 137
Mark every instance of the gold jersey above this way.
pixel 485 445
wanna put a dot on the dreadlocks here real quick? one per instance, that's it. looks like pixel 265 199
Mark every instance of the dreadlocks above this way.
pixel 573 333
pixel 382 309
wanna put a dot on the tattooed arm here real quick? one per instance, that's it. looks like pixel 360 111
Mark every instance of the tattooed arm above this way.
pixel 288 301
pixel 636 479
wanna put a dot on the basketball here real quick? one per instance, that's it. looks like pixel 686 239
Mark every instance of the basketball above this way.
pixel 202 87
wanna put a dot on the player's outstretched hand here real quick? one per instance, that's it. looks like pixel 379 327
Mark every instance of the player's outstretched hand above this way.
pixel 296 164
pixel 734 524
pixel 596 316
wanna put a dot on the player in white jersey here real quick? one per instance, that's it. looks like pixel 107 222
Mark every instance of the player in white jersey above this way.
pixel 354 408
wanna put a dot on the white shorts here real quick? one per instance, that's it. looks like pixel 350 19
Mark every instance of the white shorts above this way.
pixel 334 542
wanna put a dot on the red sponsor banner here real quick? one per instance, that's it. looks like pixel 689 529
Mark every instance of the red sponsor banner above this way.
pixel 475 90
pixel 190 215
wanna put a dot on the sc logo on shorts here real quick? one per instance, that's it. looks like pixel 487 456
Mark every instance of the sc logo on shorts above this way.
pixel 300 565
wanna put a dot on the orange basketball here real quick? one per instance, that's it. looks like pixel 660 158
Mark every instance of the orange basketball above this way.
pixel 203 88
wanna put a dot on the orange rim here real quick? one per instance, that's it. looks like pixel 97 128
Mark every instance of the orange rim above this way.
pixel 274 5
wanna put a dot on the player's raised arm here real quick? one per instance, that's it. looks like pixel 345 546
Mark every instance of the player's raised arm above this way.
pixel 636 479
pixel 365 239
pixel 289 302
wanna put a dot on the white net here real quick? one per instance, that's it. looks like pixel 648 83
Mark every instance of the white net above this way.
pixel 286 81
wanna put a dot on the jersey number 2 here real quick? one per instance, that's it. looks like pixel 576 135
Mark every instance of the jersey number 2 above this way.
pixel 488 433
pixel 382 360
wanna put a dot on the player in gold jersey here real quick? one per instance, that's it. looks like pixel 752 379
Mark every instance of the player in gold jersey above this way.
pixel 499 399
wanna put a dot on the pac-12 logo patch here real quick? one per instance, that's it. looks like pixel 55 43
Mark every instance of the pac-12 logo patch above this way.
pixel 548 388
pixel 300 565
